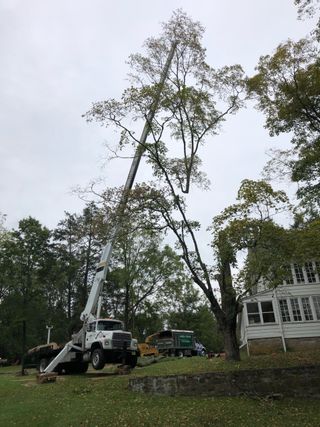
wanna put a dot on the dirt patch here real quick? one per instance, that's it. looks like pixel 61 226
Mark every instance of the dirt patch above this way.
pixel 29 384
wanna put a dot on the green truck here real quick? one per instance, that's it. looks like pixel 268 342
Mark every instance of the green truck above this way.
pixel 175 342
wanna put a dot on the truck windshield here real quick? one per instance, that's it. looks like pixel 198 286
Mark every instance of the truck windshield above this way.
pixel 108 325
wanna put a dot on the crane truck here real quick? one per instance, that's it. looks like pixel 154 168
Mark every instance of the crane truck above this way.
pixel 102 340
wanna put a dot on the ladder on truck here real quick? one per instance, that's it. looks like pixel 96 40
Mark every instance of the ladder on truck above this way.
pixel 102 267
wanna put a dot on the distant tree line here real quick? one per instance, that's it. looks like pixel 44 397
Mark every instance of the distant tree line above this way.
pixel 45 278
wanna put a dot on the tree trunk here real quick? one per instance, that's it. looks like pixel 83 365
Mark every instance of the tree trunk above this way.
pixel 24 339
pixel 229 305
pixel 69 299
pixel 231 346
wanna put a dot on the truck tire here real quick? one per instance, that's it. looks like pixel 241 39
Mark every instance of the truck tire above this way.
pixel 76 368
pixel 81 368
pixel 43 364
pixel 97 359
pixel 131 360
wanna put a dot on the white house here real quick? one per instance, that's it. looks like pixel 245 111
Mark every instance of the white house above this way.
pixel 286 317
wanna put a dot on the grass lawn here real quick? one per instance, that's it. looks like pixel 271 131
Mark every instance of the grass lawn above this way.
pixel 100 398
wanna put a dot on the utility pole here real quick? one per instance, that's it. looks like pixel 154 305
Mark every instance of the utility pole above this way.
pixel 49 333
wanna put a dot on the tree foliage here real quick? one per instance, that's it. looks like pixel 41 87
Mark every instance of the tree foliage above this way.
pixel 287 89
pixel 25 265
pixel 249 226
pixel 194 102
pixel 308 9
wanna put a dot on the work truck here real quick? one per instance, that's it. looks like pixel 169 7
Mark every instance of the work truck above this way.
pixel 105 342
pixel 175 342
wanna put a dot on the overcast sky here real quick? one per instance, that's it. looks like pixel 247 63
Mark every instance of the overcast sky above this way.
pixel 59 56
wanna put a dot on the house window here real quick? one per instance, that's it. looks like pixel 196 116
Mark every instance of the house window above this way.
pixel 253 313
pixel 307 311
pixel 296 313
pixel 260 312
pixel 311 274
pixel 298 273
pixel 284 310
pixel 267 312
pixel 300 309
pixel 289 278
pixel 316 303
pixel 317 268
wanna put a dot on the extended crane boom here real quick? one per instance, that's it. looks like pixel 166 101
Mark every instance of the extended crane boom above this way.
pixel 103 340
pixel 102 268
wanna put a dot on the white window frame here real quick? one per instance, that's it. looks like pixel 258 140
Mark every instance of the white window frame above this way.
pixel 295 267
pixel 290 280
pixel 300 305
pixel 311 268
pixel 298 270
pixel 308 308
pixel 287 313
pixel 293 301
pixel 316 312
pixel 262 322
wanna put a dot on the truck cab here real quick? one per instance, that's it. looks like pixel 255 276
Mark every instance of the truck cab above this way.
pixel 107 342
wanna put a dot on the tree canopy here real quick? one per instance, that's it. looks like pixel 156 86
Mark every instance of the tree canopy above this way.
pixel 287 88
pixel 195 101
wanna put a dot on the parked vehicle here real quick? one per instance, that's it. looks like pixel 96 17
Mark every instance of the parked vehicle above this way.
pixel 3 362
pixel 200 348
pixel 105 342
pixel 149 347
pixel 175 342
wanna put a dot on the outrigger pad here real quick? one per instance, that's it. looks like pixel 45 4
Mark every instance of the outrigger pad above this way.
pixel 49 377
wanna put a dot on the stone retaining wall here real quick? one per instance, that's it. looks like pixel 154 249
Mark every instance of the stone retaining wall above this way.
pixel 297 382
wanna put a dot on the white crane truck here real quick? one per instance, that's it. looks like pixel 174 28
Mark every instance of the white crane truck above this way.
pixel 105 342
pixel 101 340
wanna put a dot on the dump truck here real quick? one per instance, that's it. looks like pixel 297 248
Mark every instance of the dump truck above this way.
pixel 174 342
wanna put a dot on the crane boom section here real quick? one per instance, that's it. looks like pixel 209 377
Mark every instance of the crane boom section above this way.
pixel 102 268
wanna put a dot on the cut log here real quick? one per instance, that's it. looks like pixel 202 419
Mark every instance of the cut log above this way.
pixel 49 377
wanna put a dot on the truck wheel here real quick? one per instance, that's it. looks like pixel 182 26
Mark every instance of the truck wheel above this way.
pixel 131 360
pixel 82 367
pixel 97 359
pixel 43 364
pixel 76 368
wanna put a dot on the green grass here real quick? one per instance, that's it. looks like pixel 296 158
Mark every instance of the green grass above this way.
pixel 188 365
pixel 102 399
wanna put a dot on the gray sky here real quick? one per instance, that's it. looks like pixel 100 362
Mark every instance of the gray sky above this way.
pixel 59 56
